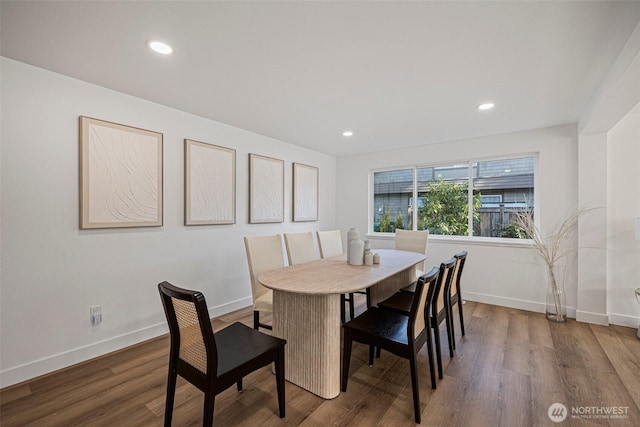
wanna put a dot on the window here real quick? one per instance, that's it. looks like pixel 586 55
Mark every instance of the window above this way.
pixel 393 198
pixel 445 206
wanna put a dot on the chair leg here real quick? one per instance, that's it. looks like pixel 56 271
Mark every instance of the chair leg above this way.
pixel 432 370
pixel 448 324
pixel 342 309
pixel 352 303
pixel 453 327
pixel 415 387
pixel 371 349
pixel 280 379
pixel 239 384
pixel 257 324
pixel 346 358
pixel 436 336
pixel 256 319
pixel 209 406
pixel 461 317
pixel 171 393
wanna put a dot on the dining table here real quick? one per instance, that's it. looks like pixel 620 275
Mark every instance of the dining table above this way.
pixel 306 310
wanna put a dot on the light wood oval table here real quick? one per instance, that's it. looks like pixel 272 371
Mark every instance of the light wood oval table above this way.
pixel 306 310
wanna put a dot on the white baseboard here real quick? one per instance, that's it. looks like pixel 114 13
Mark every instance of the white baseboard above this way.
pixel 65 359
pixel 595 318
pixel 624 320
pixel 536 307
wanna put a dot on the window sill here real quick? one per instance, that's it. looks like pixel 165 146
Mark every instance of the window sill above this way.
pixel 481 241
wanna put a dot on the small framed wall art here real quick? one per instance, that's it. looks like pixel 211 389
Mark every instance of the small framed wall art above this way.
pixel 305 192
pixel 120 175
pixel 210 184
pixel 266 189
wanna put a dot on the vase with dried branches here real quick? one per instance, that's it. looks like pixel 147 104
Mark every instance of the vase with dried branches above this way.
pixel 551 249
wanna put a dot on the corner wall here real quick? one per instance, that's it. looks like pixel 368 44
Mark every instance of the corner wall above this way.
pixel 52 272
pixel 623 206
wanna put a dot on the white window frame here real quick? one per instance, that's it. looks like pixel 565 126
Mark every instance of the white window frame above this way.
pixel 470 162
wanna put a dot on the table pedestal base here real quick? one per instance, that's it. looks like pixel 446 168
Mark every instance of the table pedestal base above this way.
pixel 383 290
pixel 311 326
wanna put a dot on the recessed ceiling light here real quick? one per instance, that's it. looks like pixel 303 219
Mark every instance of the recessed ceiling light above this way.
pixel 159 47
pixel 486 106
pixel 347 133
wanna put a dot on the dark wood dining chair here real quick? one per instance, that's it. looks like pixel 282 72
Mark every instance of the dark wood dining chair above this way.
pixel 455 297
pixel 210 361
pixel 439 309
pixel 401 335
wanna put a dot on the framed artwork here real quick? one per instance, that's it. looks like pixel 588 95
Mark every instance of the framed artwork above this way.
pixel 209 184
pixel 120 175
pixel 266 189
pixel 305 192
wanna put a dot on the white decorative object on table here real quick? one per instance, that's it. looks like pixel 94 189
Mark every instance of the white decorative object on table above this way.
pixel 356 252
pixel 367 255
pixel 368 258
pixel 352 234
pixel 376 258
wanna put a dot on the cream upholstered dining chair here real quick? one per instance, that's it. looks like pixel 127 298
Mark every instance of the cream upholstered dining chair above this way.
pixel 413 241
pixel 300 248
pixel 264 253
pixel 330 243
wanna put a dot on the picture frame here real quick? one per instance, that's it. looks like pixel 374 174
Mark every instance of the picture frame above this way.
pixel 266 189
pixel 209 184
pixel 120 175
pixel 305 192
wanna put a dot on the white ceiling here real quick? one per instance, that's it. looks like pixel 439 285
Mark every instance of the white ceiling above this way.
pixel 396 73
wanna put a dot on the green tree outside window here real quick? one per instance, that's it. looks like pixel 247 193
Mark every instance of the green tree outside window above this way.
pixel 445 208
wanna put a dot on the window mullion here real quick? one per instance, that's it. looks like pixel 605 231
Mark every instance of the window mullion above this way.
pixel 470 200
pixel 414 211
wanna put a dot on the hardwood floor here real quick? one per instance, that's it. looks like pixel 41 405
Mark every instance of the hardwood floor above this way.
pixel 507 371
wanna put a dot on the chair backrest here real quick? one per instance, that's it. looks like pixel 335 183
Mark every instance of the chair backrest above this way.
pixel 412 241
pixel 460 257
pixel 300 247
pixel 444 285
pixel 422 298
pixel 330 243
pixel 264 253
pixel 192 339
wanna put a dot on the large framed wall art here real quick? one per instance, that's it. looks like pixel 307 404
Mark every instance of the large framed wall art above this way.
pixel 210 184
pixel 305 192
pixel 120 175
pixel 266 189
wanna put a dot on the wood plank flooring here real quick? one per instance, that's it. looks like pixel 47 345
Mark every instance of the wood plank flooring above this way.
pixel 507 371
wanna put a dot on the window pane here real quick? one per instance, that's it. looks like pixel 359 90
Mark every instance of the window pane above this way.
pixel 503 186
pixel 443 205
pixel 392 199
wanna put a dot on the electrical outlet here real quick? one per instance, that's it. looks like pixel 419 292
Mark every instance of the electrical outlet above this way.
pixel 96 314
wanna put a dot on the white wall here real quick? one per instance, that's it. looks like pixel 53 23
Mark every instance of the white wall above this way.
pixel 623 206
pixel 52 272
pixel 497 273
pixel 607 148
